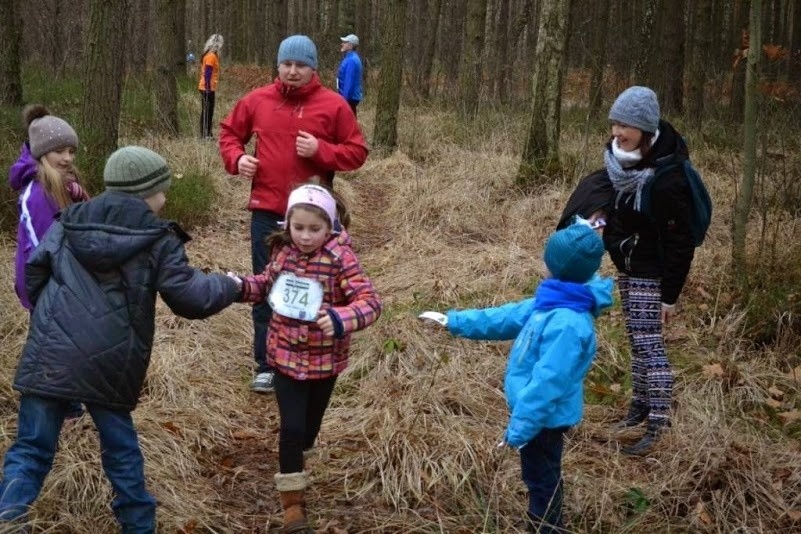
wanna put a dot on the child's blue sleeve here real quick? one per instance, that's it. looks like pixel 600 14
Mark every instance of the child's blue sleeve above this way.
pixel 502 322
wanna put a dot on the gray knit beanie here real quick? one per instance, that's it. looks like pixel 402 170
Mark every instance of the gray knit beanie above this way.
pixel 637 106
pixel 298 48
pixel 49 133
pixel 137 171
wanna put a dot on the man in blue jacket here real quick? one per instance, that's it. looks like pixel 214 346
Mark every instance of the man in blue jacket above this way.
pixel 553 349
pixel 349 75
pixel 93 282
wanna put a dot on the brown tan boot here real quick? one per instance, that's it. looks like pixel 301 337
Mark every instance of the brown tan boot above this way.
pixel 292 487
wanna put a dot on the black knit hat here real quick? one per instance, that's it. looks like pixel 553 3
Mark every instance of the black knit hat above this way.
pixel 137 171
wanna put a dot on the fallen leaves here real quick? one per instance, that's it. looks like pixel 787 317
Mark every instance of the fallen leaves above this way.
pixel 713 370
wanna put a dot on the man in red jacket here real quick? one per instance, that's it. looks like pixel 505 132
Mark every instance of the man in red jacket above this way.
pixel 302 130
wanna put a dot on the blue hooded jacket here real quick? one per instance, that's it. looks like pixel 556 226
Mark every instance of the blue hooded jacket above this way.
pixel 553 349
pixel 349 77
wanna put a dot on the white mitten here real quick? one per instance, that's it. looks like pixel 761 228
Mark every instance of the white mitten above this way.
pixel 434 316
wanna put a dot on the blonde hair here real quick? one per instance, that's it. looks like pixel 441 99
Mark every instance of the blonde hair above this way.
pixel 213 44
pixel 54 183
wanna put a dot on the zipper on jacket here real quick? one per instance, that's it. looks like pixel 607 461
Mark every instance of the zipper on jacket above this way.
pixel 627 256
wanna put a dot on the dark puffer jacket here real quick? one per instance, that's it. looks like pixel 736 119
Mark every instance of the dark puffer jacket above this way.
pixel 658 244
pixel 93 283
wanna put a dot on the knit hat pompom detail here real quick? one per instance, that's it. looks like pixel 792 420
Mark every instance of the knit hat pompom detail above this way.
pixel 137 171
pixel 298 48
pixel 574 254
pixel 638 107
pixel 47 132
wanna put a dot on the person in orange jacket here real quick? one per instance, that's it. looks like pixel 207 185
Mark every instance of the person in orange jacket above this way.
pixel 209 75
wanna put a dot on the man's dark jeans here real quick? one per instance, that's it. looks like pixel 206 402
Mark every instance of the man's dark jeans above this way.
pixel 541 464
pixel 262 224
pixel 30 458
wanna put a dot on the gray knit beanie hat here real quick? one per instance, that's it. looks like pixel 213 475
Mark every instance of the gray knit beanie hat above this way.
pixel 137 171
pixel 637 106
pixel 298 48
pixel 47 133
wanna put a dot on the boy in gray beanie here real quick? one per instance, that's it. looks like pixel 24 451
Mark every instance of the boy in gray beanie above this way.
pixel 92 283
pixel 554 346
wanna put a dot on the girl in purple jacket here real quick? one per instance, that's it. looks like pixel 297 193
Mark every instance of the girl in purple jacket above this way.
pixel 47 181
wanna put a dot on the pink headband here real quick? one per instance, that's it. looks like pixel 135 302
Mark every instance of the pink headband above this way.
pixel 316 196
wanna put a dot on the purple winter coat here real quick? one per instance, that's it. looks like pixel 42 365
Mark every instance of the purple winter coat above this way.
pixel 37 211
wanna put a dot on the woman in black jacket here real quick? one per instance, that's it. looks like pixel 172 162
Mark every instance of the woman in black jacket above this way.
pixel 643 194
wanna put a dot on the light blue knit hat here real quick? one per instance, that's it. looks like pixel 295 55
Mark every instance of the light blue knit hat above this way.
pixel 637 106
pixel 573 254
pixel 298 48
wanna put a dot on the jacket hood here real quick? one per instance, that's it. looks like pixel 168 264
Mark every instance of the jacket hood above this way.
pixel 109 230
pixel 23 170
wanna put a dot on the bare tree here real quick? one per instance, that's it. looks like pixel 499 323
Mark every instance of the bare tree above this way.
pixel 427 63
pixel 166 86
pixel 745 194
pixel 598 56
pixel 393 30
pixel 699 54
pixel 102 81
pixel 541 149
pixel 645 44
pixel 668 72
pixel 10 38
pixel 470 69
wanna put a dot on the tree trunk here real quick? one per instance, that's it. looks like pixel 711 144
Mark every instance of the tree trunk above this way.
pixel 102 81
pixel 541 149
pixel 393 30
pixel 737 103
pixel 180 38
pixel 470 69
pixel 668 71
pixel 501 61
pixel 743 206
pixel 165 85
pixel 10 40
pixel 427 63
pixel 277 12
pixel 451 50
pixel 699 54
pixel 645 47
pixel 598 57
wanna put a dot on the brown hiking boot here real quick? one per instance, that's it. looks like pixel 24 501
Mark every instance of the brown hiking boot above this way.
pixel 292 487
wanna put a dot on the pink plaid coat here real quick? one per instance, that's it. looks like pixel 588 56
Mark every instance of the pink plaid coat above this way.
pixel 299 349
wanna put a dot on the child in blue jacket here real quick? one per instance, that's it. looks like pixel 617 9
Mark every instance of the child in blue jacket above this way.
pixel 553 349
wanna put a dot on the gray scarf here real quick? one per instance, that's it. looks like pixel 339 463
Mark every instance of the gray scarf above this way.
pixel 626 181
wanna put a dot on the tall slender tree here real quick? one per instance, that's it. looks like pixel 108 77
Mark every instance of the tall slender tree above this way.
pixel 470 69
pixel 699 54
pixel 744 196
pixel 668 72
pixel 427 64
pixel 393 30
pixel 102 81
pixel 10 37
pixel 598 57
pixel 541 149
pixel 165 84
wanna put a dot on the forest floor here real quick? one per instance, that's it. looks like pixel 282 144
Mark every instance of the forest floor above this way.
pixel 409 441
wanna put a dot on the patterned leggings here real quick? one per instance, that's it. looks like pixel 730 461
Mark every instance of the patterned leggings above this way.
pixel 651 374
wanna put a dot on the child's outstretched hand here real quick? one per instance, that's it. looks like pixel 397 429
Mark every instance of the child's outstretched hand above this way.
pixel 434 316
pixel 325 323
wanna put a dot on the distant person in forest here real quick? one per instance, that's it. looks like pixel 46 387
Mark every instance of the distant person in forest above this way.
pixel 652 246
pixel 92 283
pixel 302 130
pixel 349 74
pixel 47 181
pixel 209 76
pixel 554 346
pixel 320 296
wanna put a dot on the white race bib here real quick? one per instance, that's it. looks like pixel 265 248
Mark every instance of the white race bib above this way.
pixel 296 298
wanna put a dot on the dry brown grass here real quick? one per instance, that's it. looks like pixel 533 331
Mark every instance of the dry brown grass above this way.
pixel 408 444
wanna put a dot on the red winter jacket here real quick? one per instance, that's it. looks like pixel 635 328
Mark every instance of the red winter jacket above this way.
pixel 274 114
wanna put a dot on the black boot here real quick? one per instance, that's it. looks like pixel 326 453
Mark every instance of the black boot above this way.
pixel 638 412
pixel 653 432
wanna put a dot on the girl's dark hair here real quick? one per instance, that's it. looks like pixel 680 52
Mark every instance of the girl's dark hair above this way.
pixel 645 145
pixel 282 237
